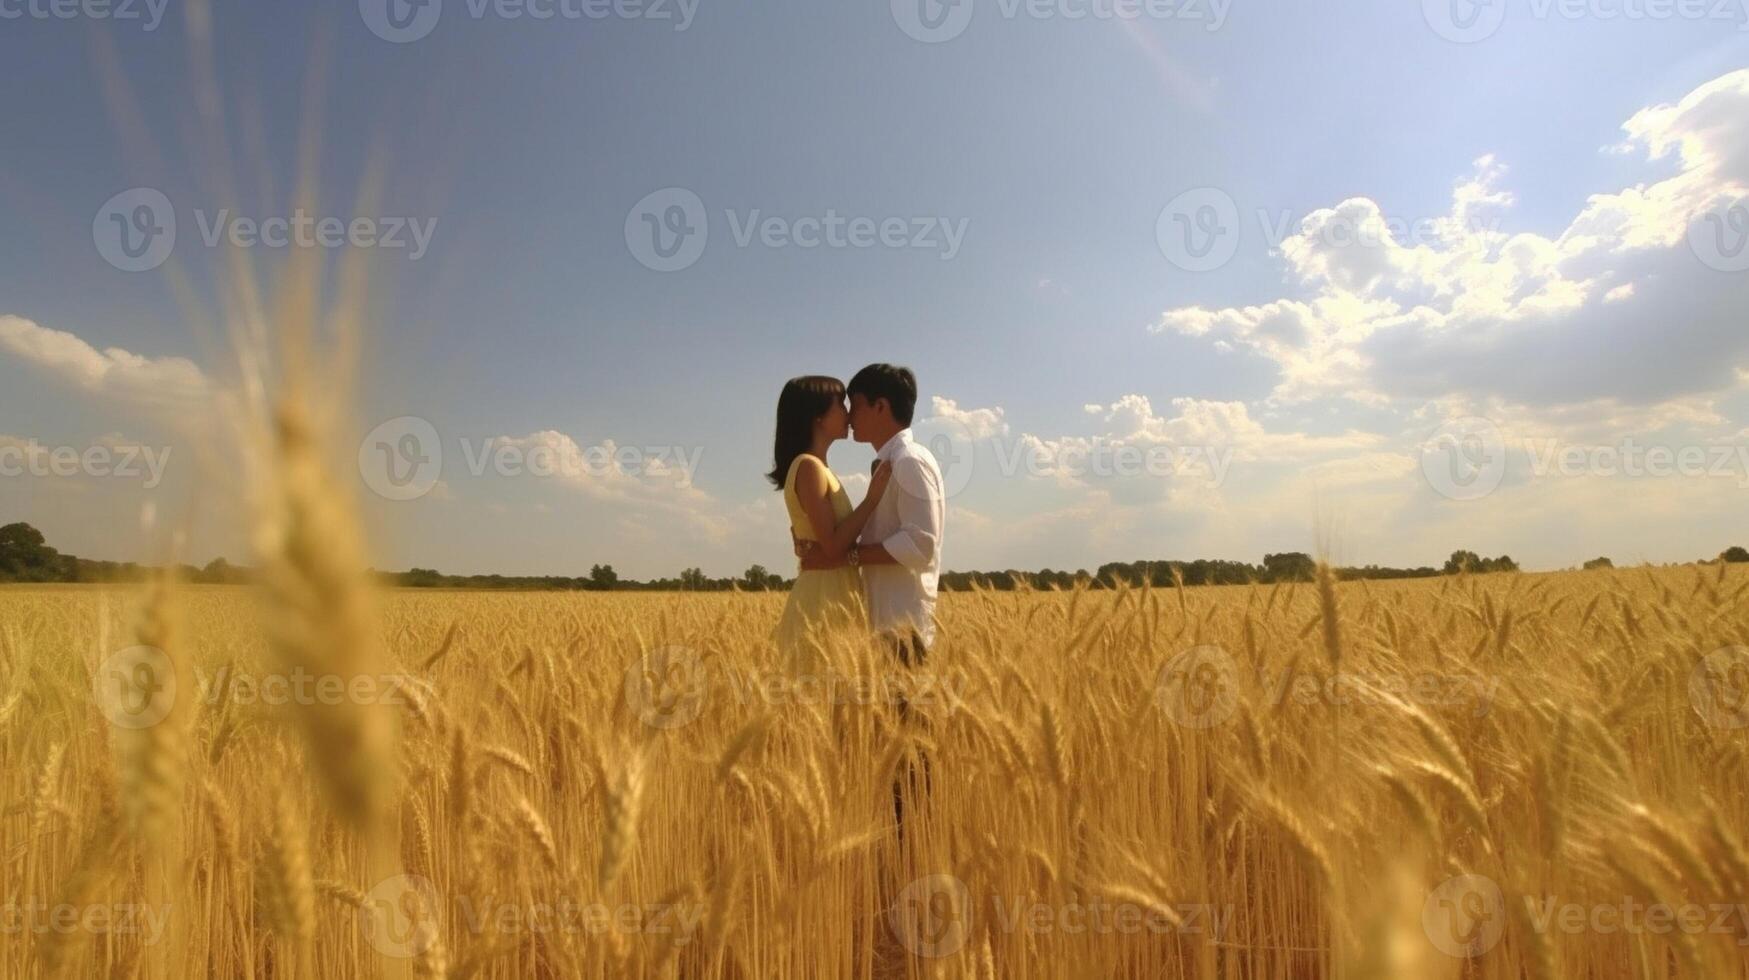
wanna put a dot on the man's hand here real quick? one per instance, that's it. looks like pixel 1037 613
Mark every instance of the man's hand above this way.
pixel 814 561
pixel 809 554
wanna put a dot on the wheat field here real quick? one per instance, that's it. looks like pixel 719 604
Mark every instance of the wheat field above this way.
pixel 1421 779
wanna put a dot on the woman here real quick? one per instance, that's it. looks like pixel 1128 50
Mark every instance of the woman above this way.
pixel 811 416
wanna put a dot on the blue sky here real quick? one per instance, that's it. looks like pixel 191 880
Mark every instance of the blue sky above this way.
pixel 1060 322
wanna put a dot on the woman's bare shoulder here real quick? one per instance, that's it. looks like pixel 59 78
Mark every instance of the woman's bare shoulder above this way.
pixel 810 468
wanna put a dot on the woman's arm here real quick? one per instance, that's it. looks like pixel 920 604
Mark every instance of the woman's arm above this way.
pixel 835 537
pixel 913 544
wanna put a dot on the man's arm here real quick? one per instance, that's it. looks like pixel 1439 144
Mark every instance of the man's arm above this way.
pixel 913 544
pixel 919 507
pixel 814 560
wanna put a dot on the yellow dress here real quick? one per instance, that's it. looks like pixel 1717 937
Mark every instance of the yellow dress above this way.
pixel 825 598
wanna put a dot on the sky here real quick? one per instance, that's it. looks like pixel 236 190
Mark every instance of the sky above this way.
pixel 1178 278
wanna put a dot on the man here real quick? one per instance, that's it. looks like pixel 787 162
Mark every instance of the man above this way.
pixel 900 553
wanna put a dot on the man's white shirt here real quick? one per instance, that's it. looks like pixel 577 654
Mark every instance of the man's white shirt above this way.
pixel 908 521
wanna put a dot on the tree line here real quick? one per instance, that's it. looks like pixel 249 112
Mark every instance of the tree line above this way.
pixel 25 556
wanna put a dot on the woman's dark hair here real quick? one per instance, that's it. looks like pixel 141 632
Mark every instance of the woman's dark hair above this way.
pixel 804 400
pixel 896 384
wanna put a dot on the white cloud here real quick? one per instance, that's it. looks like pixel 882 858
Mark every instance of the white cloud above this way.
pixel 172 383
pixel 1363 470
pixel 1221 424
pixel 645 484
pixel 974 423
pixel 1129 456
pixel 1617 308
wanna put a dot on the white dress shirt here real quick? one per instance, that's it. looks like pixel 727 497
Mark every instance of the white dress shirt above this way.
pixel 908 521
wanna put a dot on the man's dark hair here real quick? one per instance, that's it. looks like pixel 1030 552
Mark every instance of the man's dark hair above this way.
pixel 894 383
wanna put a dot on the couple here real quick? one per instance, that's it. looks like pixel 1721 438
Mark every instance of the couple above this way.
pixel 873 566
